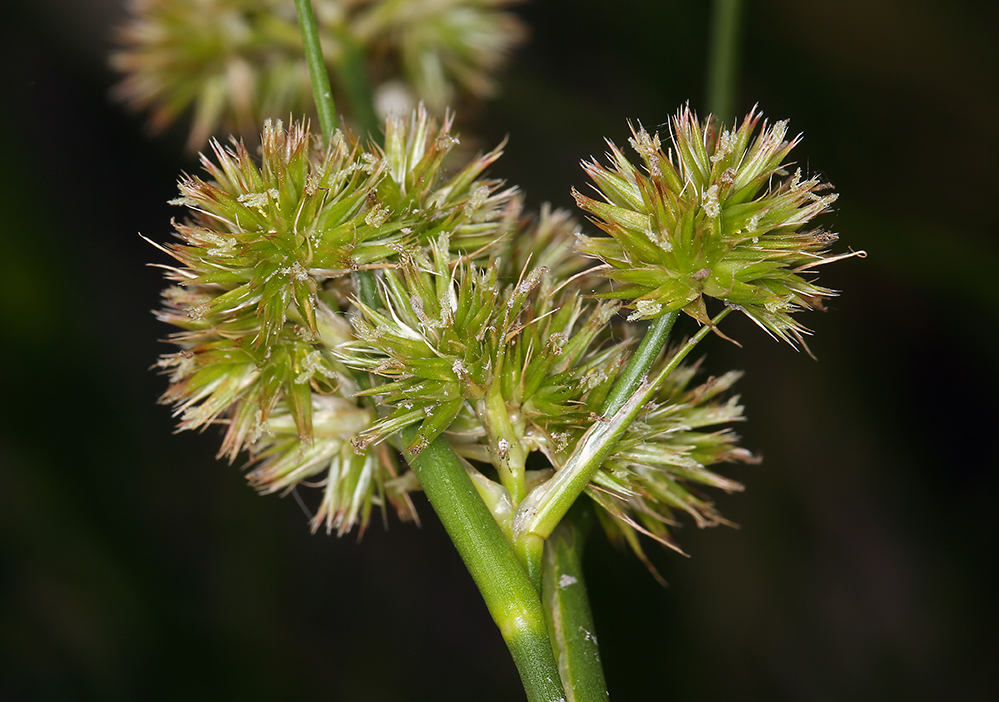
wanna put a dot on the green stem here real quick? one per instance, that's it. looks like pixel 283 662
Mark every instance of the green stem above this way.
pixel 317 67
pixel 640 363
pixel 723 58
pixel 570 621
pixel 509 594
pixel 540 513
pixel 558 495
pixel 510 460
pixel 353 80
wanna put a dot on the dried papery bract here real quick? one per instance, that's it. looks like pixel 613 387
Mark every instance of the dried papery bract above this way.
pixel 714 215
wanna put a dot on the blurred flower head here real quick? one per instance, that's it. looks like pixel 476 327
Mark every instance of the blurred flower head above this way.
pixel 440 47
pixel 714 215
pixel 233 63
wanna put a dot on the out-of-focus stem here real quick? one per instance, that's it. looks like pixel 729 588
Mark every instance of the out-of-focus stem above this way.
pixel 321 91
pixel 723 59
pixel 353 80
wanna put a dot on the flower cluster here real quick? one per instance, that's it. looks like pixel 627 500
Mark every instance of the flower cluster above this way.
pixel 452 338
pixel 717 215
pixel 236 62
pixel 265 264
pixel 331 298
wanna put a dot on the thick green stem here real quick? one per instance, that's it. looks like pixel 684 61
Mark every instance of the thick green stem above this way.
pixel 723 59
pixel 317 68
pixel 570 621
pixel 509 594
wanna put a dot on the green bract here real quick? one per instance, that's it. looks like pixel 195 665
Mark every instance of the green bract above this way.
pixel 714 216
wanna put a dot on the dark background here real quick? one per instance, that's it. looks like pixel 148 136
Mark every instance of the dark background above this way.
pixel 135 567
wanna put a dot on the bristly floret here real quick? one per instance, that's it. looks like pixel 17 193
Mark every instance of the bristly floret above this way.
pixel 453 339
pixel 266 267
pixel 428 199
pixel 716 215
pixel 250 297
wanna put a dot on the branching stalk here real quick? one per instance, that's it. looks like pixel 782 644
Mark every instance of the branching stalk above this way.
pixel 540 513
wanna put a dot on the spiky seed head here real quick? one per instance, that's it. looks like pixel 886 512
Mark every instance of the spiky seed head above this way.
pixel 430 195
pixel 717 215
pixel 263 279
pixel 257 299
pixel 451 333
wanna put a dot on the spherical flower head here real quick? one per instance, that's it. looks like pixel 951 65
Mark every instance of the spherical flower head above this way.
pixel 265 271
pixel 715 215
pixel 257 296
pixel 233 62
pixel 456 346
pixel 443 49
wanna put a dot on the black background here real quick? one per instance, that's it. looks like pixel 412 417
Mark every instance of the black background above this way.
pixel 133 566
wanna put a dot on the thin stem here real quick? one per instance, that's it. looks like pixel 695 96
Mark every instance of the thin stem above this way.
pixel 640 362
pixel 510 456
pixel 723 59
pixel 321 91
pixel 509 594
pixel 570 620
pixel 540 513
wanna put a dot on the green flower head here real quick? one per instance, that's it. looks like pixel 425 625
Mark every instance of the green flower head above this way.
pixel 460 349
pixel 715 215
pixel 265 270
